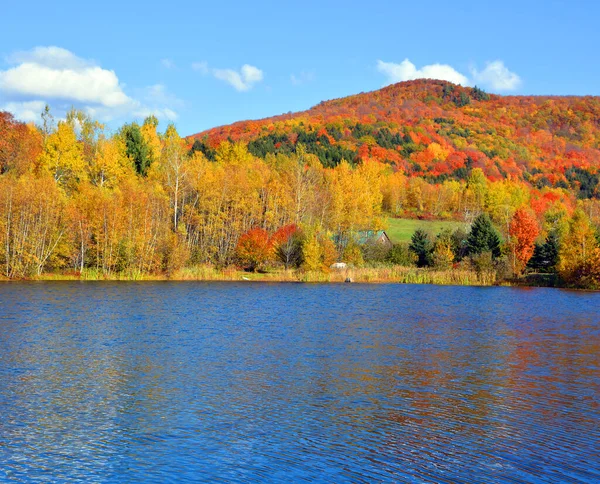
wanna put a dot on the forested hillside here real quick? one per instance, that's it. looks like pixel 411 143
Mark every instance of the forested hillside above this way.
pixel 440 131
pixel 294 191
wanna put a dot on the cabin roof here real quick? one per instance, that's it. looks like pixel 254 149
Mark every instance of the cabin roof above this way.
pixel 365 236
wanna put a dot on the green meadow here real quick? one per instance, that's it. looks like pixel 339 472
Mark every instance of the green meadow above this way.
pixel 401 229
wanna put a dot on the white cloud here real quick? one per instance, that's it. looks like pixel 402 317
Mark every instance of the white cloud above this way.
pixel 407 71
pixel 155 99
pixel 497 77
pixel 251 74
pixel 303 78
pixel 242 80
pixel 28 111
pixel 55 73
pixel 58 77
pixel 54 57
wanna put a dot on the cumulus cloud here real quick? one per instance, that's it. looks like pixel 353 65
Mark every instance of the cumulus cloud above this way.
pixel 407 71
pixel 495 76
pixel 155 99
pixel 55 73
pixel 242 80
pixel 52 56
pixel 28 111
pixel 58 77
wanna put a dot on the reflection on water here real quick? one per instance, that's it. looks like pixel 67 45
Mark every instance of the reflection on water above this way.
pixel 264 382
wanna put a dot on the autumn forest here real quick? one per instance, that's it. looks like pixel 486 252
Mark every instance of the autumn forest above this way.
pixel 296 193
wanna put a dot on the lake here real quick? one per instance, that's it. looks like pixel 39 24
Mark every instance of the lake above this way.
pixel 238 382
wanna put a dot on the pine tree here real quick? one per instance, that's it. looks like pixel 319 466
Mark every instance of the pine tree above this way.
pixel 483 237
pixel 137 149
pixel 545 256
pixel 421 245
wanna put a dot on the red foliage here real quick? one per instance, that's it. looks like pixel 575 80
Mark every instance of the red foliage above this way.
pixel 524 229
pixel 531 138
pixel 282 235
pixel 19 145
pixel 254 248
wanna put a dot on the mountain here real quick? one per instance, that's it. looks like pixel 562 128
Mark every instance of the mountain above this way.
pixel 438 130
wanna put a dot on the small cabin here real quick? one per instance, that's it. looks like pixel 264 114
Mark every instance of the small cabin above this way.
pixel 376 237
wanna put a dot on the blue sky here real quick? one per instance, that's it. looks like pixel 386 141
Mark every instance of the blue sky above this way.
pixel 184 60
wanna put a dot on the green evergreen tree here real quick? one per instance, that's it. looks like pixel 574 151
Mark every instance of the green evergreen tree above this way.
pixel 136 148
pixel 459 244
pixel 462 100
pixel 545 256
pixel 483 237
pixel 479 94
pixel 421 245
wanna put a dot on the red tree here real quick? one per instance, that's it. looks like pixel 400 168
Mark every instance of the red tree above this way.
pixel 523 230
pixel 19 145
pixel 254 248
pixel 287 245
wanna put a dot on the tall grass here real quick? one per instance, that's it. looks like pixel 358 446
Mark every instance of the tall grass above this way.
pixel 404 275
pixel 396 274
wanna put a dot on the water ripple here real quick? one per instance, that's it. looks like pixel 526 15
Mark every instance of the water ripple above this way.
pixel 176 382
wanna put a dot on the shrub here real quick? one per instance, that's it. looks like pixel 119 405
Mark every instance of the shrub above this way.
pixel 401 255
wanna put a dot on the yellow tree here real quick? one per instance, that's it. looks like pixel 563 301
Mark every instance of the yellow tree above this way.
pixel 577 246
pixel 63 156
pixel 503 199
pixel 443 253
pixel 394 193
pixel 312 253
pixel 88 131
pixel 556 219
pixel 475 193
pixel 355 197
pixel 305 176
pixel 110 164
pixel 227 198
pixel 32 224
pixel 171 170
pixel 151 137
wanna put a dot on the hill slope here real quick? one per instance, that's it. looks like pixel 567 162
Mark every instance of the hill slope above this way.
pixel 439 130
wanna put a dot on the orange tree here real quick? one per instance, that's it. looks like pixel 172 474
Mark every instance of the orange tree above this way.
pixel 523 230
pixel 254 249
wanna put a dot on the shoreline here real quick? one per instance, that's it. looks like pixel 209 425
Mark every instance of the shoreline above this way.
pixel 382 275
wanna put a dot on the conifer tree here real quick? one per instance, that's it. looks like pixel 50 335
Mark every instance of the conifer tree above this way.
pixel 545 256
pixel 483 237
pixel 421 245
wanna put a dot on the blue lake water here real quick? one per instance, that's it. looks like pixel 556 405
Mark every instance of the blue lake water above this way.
pixel 228 382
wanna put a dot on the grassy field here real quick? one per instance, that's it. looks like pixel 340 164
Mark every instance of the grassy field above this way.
pixel 401 229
